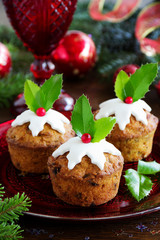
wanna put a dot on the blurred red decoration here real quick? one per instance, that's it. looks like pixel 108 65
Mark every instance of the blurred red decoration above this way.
pixel 158 88
pixel 5 60
pixel 122 10
pixel 40 24
pixel 129 69
pixel 64 103
pixel 147 21
pixel 75 55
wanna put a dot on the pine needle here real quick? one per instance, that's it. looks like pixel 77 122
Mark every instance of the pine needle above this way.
pixel 10 211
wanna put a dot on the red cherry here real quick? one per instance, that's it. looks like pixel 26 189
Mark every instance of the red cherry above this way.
pixel 86 138
pixel 41 112
pixel 129 100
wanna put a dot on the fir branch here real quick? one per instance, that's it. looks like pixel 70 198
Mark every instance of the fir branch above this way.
pixel 1 192
pixel 10 231
pixel 11 86
pixel 12 208
pixel 7 35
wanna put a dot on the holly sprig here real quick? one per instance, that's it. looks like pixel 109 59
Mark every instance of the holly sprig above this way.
pixel 136 85
pixel 82 121
pixel 138 183
pixel 42 97
pixel 10 210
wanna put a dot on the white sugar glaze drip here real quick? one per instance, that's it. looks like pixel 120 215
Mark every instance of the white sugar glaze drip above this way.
pixel 77 150
pixel 123 111
pixel 55 119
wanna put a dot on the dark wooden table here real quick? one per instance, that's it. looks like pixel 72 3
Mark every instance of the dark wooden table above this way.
pixel 145 227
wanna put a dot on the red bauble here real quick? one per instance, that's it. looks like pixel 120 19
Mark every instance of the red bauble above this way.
pixel 86 138
pixel 75 55
pixel 5 60
pixel 41 112
pixel 129 100
pixel 129 69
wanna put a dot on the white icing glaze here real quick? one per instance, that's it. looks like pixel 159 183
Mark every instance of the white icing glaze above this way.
pixel 123 111
pixel 55 119
pixel 77 150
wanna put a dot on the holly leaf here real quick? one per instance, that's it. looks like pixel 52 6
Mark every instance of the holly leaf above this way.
pixel 82 117
pixel 148 167
pixel 43 96
pixel 51 90
pixel 119 88
pixel 102 127
pixel 139 185
pixel 32 95
pixel 139 82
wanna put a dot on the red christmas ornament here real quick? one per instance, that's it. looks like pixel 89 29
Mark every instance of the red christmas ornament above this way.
pixel 157 86
pixel 128 100
pixel 75 54
pixel 129 69
pixel 41 112
pixel 86 138
pixel 5 60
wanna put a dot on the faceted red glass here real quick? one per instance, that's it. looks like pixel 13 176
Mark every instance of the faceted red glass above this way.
pixel 40 24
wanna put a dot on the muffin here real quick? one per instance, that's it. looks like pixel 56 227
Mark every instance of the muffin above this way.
pixel 86 170
pixel 30 154
pixel 85 185
pixel 135 126
pixel 37 132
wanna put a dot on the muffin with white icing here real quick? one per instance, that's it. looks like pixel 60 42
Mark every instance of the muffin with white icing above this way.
pixel 86 170
pixel 37 132
pixel 135 126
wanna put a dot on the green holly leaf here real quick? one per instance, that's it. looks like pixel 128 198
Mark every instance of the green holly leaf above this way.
pixel 51 90
pixel 148 167
pixel 82 117
pixel 139 185
pixel 139 82
pixel 119 88
pixel 31 90
pixel 102 128
pixel 43 96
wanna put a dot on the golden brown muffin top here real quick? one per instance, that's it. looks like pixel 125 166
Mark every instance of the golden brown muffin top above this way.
pixel 135 128
pixel 47 137
pixel 85 169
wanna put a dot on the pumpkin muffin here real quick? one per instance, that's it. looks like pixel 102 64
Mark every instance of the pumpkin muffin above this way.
pixel 85 185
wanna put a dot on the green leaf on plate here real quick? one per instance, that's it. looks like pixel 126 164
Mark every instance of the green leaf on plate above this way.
pixel 139 82
pixel 119 88
pixel 139 185
pixel 148 167
pixel 102 128
pixel 82 117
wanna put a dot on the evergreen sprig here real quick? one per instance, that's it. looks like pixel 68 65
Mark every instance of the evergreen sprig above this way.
pixel 10 211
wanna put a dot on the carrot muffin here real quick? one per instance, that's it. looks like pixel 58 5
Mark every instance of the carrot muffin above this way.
pixel 37 132
pixel 86 170
pixel 135 126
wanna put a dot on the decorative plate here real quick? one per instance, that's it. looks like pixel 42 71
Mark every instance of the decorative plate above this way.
pixel 46 204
